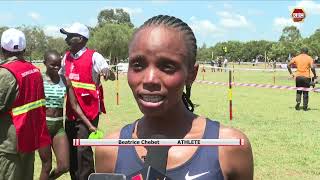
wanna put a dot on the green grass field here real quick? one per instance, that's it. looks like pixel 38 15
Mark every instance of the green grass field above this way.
pixel 285 142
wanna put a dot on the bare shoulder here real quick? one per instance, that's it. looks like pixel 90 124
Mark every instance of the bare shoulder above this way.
pixel 229 133
pixel 106 156
pixel 236 161
pixel 233 133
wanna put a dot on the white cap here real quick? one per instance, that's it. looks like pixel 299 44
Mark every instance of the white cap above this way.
pixel 76 28
pixel 13 40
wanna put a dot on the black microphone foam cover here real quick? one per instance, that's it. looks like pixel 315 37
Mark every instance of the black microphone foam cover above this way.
pixel 157 155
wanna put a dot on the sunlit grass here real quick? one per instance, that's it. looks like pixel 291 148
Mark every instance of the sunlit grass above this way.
pixel 285 142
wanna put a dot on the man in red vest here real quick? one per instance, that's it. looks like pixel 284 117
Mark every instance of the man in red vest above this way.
pixel 82 68
pixel 23 127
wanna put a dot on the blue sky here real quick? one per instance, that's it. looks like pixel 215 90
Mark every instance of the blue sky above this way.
pixel 212 21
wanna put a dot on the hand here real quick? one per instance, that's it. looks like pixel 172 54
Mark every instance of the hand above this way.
pixel 112 76
pixel 52 174
pixel 292 76
pixel 105 74
pixel 315 81
pixel 108 74
pixel 92 129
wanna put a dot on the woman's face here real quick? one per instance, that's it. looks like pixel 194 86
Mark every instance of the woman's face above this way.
pixel 158 69
pixel 53 64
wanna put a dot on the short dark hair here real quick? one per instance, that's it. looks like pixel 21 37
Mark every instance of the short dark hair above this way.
pixel 9 53
pixel 50 52
pixel 176 23
pixel 304 50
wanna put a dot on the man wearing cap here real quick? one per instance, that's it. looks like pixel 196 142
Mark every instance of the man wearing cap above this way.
pixel 23 126
pixel 304 64
pixel 82 68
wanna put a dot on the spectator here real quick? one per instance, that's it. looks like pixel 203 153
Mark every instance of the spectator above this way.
pixel 82 67
pixel 23 127
pixel 302 77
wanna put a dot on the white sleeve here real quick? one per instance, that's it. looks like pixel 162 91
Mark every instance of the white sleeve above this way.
pixel 62 70
pixel 99 62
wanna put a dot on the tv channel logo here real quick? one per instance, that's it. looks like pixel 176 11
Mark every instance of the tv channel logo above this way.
pixel 298 15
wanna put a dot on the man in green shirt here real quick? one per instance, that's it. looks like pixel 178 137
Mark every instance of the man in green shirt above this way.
pixel 8 152
pixel 14 165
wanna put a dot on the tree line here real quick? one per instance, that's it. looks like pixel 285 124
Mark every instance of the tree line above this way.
pixel 111 36
pixel 288 45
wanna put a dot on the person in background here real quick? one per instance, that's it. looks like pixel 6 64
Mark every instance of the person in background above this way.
pixel 81 68
pixel 219 64
pixel 274 64
pixel 213 65
pixel 23 128
pixel 304 64
pixel 162 63
pixel 225 64
pixel 270 63
pixel 55 92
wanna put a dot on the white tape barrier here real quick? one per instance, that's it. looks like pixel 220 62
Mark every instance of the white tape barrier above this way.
pixel 260 86
pixel 241 69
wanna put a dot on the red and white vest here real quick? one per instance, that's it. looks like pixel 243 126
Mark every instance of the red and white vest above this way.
pixel 88 94
pixel 28 111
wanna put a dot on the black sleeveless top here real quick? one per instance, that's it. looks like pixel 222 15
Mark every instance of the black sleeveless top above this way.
pixel 203 165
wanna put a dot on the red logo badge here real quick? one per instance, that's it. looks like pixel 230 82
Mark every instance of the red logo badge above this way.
pixel 298 15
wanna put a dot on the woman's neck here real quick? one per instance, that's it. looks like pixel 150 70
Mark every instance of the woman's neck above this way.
pixel 55 78
pixel 173 124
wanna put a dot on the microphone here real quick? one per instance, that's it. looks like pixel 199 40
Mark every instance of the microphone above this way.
pixel 147 173
pixel 154 166
pixel 155 163
pixel 157 156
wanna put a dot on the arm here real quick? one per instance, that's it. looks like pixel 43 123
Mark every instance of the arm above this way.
pixel 313 69
pixel 76 107
pixel 62 70
pixel 289 67
pixel 236 161
pixel 102 67
pixel 106 156
pixel 8 90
